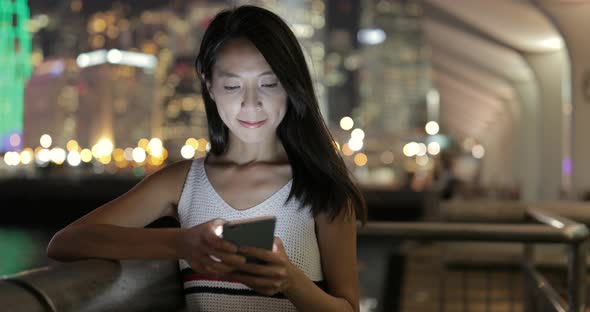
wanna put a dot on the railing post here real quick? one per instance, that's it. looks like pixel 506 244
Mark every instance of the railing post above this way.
pixel 529 283
pixel 576 278
pixel 442 281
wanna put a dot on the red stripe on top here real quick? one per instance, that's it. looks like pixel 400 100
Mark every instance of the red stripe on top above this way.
pixel 198 277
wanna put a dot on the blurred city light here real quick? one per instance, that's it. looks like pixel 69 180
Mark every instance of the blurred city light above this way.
pixel 103 148
pixel 478 151
pixel 355 144
pixel 411 149
pixel 91 58
pixel 45 141
pixel 187 152
pixel 432 127
pixel 12 158
pixel 119 154
pixel 346 150
pixel 58 155
pixel 86 155
pixel 360 159
pixel 433 148
pixel 128 154
pixel 115 56
pixel 357 134
pixel 26 156
pixel 202 147
pixel 346 123
pixel 43 156
pixel 72 145
pixel 192 142
pixel 74 158
pixel 15 140
pixel 421 149
pixel 139 155
pixel 371 36
pixel 143 143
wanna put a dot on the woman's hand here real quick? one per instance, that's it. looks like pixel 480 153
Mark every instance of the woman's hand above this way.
pixel 275 276
pixel 206 252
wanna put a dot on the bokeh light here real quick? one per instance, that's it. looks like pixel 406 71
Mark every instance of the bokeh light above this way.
pixel 45 141
pixel 187 152
pixel 432 127
pixel 360 159
pixel 478 151
pixel 346 123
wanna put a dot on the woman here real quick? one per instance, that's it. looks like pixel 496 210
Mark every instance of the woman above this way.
pixel 271 154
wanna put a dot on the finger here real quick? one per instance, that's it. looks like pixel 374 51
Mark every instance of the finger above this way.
pixel 262 254
pixel 215 268
pixel 228 258
pixel 215 242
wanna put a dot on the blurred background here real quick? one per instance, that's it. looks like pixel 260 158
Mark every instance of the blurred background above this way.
pixel 428 101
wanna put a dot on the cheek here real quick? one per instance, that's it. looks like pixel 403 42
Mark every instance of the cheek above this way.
pixel 225 110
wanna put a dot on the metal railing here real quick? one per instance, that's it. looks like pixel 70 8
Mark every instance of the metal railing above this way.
pixel 102 285
pixel 95 285
pixel 553 229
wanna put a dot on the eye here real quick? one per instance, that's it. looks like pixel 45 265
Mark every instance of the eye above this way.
pixel 270 85
pixel 230 88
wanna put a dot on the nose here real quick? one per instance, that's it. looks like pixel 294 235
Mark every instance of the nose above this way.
pixel 251 100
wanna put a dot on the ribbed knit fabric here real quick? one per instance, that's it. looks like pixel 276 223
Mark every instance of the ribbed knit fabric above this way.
pixel 200 203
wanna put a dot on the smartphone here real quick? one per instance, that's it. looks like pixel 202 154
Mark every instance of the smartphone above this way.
pixel 255 232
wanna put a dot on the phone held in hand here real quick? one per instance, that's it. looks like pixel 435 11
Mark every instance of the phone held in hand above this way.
pixel 254 232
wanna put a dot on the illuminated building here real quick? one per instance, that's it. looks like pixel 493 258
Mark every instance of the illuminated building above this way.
pixel 15 53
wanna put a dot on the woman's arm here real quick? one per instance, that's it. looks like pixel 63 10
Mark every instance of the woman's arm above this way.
pixel 115 242
pixel 337 243
pixel 115 230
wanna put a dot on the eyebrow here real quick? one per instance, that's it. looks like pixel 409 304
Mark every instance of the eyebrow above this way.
pixel 223 73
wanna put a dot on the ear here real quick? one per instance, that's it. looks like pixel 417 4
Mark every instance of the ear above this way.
pixel 208 84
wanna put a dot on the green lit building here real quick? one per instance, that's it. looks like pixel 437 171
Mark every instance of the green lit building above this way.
pixel 15 69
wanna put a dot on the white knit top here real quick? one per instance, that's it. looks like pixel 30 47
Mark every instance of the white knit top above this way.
pixel 199 203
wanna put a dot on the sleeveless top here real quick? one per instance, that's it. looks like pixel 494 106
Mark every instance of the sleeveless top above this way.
pixel 199 203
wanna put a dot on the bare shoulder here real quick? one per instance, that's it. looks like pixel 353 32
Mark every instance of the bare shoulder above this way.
pixel 173 174
pixel 168 182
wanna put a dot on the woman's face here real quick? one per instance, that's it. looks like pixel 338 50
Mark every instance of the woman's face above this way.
pixel 250 98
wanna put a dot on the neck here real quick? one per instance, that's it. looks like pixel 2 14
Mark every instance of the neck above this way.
pixel 241 153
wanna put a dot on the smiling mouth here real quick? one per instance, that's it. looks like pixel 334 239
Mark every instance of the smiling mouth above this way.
pixel 255 124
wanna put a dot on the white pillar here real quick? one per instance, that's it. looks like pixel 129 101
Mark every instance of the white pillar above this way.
pixel 548 69
pixel 572 20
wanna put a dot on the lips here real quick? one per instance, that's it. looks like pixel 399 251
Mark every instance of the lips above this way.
pixel 252 124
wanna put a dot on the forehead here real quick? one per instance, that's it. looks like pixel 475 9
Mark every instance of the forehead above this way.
pixel 240 56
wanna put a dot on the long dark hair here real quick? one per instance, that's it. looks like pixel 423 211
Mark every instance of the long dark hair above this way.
pixel 320 177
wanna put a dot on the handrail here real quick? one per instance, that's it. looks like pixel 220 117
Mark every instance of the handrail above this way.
pixel 95 285
pixel 569 231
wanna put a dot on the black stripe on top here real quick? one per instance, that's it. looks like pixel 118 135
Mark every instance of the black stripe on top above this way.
pixel 237 292
pixel 233 291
